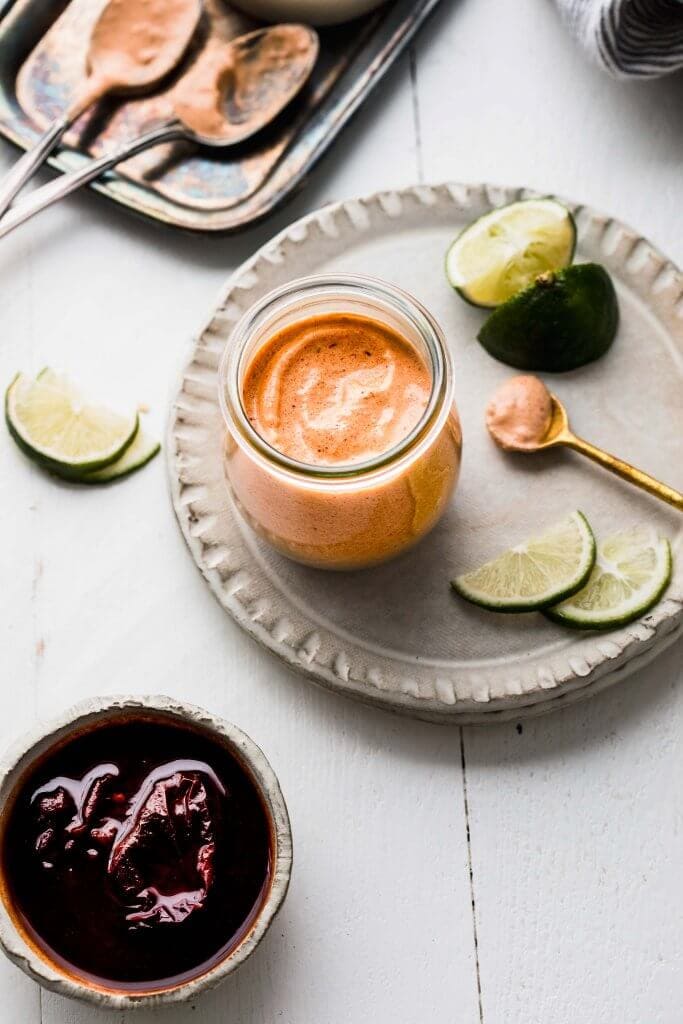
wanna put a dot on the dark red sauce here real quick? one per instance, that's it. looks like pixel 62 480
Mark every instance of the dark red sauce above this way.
pixel 137 854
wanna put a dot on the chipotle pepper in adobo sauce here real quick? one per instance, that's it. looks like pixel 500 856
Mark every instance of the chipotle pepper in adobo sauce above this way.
pixel 137 854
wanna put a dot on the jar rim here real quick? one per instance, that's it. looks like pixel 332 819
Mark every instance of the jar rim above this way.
pixel 329 285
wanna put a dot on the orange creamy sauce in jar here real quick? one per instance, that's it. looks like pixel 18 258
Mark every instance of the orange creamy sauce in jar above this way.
pixel 336 391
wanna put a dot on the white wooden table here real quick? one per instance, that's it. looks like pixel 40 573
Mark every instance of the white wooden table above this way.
pixel 510 875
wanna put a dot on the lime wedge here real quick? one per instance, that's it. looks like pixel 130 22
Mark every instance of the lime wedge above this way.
pixel 562 321
pixel 631 572
pixel 57 428
pixel 535 574
pixel 506 250
pixel 138 454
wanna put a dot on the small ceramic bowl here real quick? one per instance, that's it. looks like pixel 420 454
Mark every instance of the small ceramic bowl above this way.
pixel 312 12
pixel 19 762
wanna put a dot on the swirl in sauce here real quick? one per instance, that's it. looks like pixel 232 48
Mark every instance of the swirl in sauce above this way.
pixel 336 389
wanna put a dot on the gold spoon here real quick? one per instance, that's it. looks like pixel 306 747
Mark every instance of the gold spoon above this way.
pixel 558 433
pixel 132 47
pixel 220 101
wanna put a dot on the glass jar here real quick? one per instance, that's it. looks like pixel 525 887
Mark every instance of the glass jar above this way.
pixel 342 516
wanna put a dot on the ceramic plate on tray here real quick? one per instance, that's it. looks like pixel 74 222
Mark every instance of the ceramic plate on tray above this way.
pixel 396 636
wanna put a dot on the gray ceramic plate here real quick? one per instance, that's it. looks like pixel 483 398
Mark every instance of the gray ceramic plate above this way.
pixel 396 636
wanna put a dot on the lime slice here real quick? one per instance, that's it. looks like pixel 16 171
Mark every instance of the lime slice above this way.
pixel 505 250
pixel 138 454
pixel 562 321
pixel 535 574
pixel 57 428
pixel 631 572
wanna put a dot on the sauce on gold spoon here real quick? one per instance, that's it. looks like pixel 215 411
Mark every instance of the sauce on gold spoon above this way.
pixel 524 416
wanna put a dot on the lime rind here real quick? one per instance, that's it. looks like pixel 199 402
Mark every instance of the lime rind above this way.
pixel 540 572
pixel 505 250
pixel 140 452
pixel 631 573
pixel 564 320
pixel 56 428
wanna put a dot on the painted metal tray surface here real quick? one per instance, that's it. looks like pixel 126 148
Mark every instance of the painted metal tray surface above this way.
pixel 43 46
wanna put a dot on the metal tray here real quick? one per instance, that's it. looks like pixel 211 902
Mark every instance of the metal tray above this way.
pixel 42 52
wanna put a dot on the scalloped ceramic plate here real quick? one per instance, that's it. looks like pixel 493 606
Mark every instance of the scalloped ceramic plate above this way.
pixel 396 636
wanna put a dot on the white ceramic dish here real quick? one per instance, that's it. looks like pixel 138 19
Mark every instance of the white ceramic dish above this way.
pixel 312 12
pixel 18 760
pixel 396 636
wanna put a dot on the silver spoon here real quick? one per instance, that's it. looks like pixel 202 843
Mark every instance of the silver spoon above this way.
pixel 223 92
pixel 123 56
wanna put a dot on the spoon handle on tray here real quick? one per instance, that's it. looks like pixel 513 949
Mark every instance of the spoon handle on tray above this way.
pixel 29 162
pixel 68 183
pixel 627 472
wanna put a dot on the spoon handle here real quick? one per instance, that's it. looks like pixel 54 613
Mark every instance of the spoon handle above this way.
pixel 63 186
pixel 30 161
pixel 93 89
pixel 626 471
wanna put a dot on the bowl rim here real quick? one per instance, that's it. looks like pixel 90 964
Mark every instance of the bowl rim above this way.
pixel 22 754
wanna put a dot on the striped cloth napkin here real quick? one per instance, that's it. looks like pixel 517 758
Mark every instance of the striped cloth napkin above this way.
pixel 629 38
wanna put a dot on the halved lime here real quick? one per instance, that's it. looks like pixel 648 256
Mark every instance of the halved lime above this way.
pixel 505 250
pixel 536 573
pixel 56 427
pixel 138 454
pixel 562 321
pixel 632 570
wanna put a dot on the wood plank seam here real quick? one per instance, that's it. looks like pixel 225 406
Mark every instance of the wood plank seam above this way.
pixel 475 936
